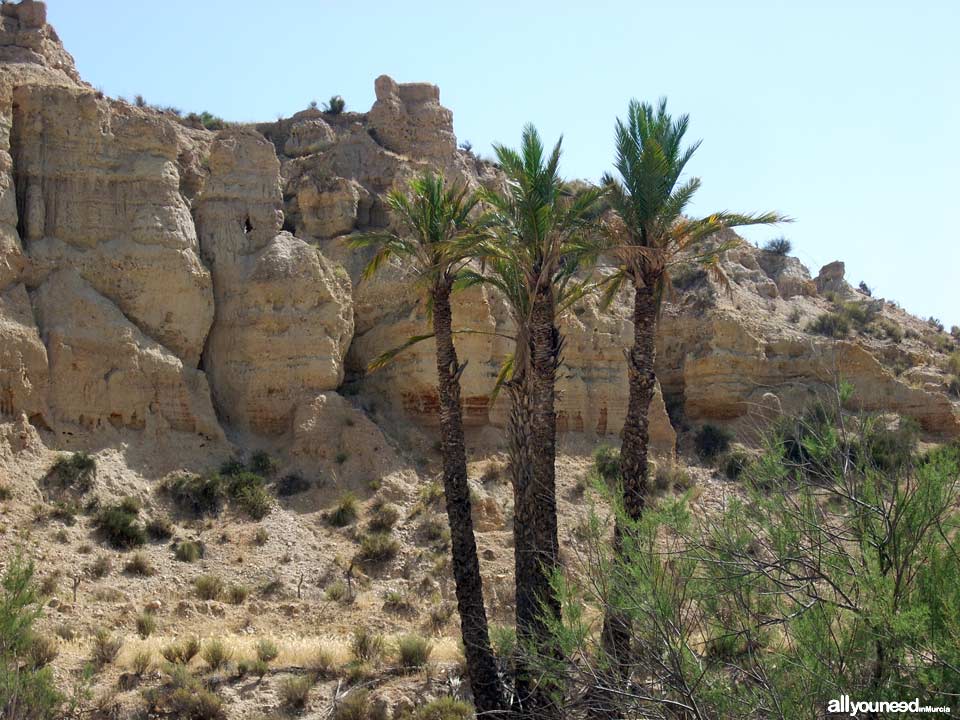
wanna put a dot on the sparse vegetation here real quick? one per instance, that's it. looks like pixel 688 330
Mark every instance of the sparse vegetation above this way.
pixel 367 646
pixel 146 624
pixel 101 566
pixel 216 654
pixel 292 484
pixel 262 464
pixel 295 692
pixel 208 587
pixel 442 708
pixel 267 650
pixel 74 471
pixel 196 494
pixel 711 441
pixel 355 705
pixel 335 105
pixel 345 512
pixel 413 651
pixel 188 551
pixel 140 565
pixel 237 594
pixel 383 516
pixel 778 246
pixel 336 591
pixel 160 528
pixel 106 647
pixel 377 547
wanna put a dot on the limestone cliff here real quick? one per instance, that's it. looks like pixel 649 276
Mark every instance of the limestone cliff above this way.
pixel 164 278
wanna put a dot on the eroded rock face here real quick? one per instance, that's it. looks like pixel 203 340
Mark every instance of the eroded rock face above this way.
pixel 24 378
pixel 284 315
pixel 98 191
pixel 409 119
pixel 105 371
pixel 26 38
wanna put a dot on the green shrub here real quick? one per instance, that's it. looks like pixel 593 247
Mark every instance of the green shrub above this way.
pixel 65 511
pixel 74 471
pixel 181 653
pixel 606 465
pixel 953 363
pixel 262 464
pixel 195 703
pixel 377 547
pixel 671 476
pixel 341 457
pixel 295 692
pixel 711 441
pixel 237 594
pixel 889 449
pixel 27 690
pixel 41 651
pixel 503 640
pixel 383 516
pixel 778 246
pixel 160 528
pixel 198 495
pixel 335 105
pixel 830 324
pixel 431 494
pixel 442 708
pixel 139 564
pixel 5 493
pixel 413 651
pixel 345 512
pixel 261 537
pixel 367 646
pixel 336 591
pixel 119 525
pixel 735 463
pixel 146 624
pixel 106 647
pixel 215 654
pixel 208 587
pixel 142 662
pixel 247 488
pixel 267 650
pixel 188 551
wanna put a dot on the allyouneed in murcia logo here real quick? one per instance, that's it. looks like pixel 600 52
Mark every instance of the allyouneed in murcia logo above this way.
pixel 855 707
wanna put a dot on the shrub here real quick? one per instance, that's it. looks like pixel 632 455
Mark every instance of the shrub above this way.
pixel 237 594
pixel 778 246
pixel 267 650
pixel 323 662
pixel 146 624
pixel 65 512
pixel 953 386
pixel 139 564
pixel 262 464
pixel 215 654
pixel 24 686
pixel 5 493
pixel 794 317
pixel 383 516
pixel 735 463
pixel 74 471
pixel 119 525
pixel 890 450
pixel 503 640
pixel 671 476
pixel 195 703
pixel 188 551
pixel 953 363
pixel 181 653
pixel 829 324
pixel 431 494
pixel 142 662
pixel 208 587
pixel 341 457
pixel 712 440
pixel 865 289
pixel 397 601
pixel 261 537
pixel 354 706
pixel 890 330
pixel 160 528
pixel 41 651
pixel 443 708
pixel 336 591
pixel 292 484
pixel 295 692
pixel 367 646
pixel 935 324
pixel 335 105
pixel 255 501
pixel 106 647
pixel 413 651
pixel 50 583
pixel 345 512
pixel 377 547
pixel 101 566
pixel 198 495
pixel 606 465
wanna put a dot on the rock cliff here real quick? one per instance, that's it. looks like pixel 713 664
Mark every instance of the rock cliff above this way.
pixel 166 278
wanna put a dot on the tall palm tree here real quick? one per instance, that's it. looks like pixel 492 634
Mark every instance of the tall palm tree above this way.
pixel 537 245
pixel 437 238
pixel 651 235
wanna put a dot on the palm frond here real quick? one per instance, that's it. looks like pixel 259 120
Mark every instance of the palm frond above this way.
pixel 387 357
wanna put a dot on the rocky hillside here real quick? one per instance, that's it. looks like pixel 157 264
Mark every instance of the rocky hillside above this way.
pixel 173 296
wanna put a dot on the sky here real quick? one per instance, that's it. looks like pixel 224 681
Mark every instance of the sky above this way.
pixel 844 115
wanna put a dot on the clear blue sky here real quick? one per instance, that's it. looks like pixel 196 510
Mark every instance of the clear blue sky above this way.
pixel 843 114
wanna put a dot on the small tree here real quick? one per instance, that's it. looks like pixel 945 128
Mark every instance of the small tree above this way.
pixel 335 105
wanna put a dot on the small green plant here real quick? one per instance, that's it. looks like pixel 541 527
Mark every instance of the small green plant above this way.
pixel 119 525
pixel 413 651
pixel 341 457
pixel 431 494
pixel 397 601
pixel 778 246
pixel 383 516
pixel 672 476
pixel 323 662
pixel 188 551
pixel 101 566
pixel 41 651
pixel 295 692
pixel 735 463
pixel 142 662
pixel 377 547
pixel 794 317
pixel 215 654
pixel 196 703
pixel 208 587
pixel 139 565
pixel 335 105
pixel 367 646
pixel 5 492
pixel 345 512
pixel 267 650
pixel 74 471
pixel 443 708
pixel 606 465
pixel 829 324
pixel 336 591
pixel 262 464
pixel 261 536
pixel 237 594
pixel 106 647
pixel 160 528
pixel 712 441
pixel 146 624
pixel 65 511
pixel 196 494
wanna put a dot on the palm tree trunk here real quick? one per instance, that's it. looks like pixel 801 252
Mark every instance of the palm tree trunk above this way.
pixel 533 426
pixel 633 451
pixel 481 665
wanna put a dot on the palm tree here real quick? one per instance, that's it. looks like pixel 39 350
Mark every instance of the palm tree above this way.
pixel 649 236
pixel 438 239
pixel 537 245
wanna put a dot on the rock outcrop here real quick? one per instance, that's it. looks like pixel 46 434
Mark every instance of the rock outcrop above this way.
pixel 158 276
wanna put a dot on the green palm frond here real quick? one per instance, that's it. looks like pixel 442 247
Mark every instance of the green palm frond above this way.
pixel 504 376
pixel 385 358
